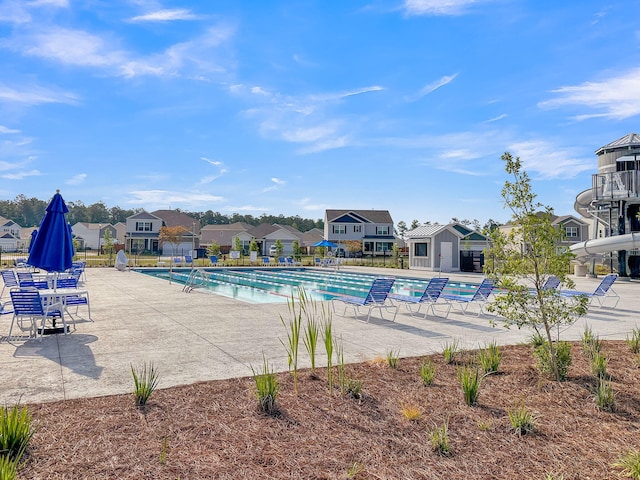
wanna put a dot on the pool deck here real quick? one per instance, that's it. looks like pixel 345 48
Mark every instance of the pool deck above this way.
pixel 193 337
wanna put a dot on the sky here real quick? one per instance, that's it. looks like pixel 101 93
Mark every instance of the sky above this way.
pixel 293 107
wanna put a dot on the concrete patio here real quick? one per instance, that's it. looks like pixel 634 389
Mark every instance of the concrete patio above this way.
pixel 193 337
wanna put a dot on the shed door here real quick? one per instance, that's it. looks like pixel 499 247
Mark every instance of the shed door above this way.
pixel 446 256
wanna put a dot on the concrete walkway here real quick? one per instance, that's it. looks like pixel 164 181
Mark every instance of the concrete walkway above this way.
pixel 192 337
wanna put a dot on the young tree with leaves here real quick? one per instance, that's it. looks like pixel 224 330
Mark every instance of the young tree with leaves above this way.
pixel 521 260
pixel 172 235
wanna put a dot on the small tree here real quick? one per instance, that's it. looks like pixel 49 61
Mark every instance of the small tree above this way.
pixel 213 249
pixel 295 248
pixel 279 247
pixel 237 245
pixel 253 246
pixel 107 244
pixel 530 252
pixel 173 236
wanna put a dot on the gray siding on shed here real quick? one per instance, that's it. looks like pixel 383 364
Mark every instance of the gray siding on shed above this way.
pixel 446 236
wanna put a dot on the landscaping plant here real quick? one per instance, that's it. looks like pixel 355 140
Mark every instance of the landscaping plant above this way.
pixel 15 431
pixel 527 255
pixel 427 372
pixel 558 366
pixel 439 438
pixel 490 357
pixel 521 419
pixel 145 381
pixel 450 350
pixel 293 326
pixel 630 464
pixel 634 340
pixel 266 388
pixel 327 336
pixel 591 343
pixel 8 467
pixel 599 365
pixel 605 396
pixel 469 378
pixel 393 358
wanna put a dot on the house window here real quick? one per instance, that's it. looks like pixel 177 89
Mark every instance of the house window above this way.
pixel 357 229
pixel 571 232
pixel 340 229
pixel 420 250
pixel 143 226
pixel 384 246
pixel 382 230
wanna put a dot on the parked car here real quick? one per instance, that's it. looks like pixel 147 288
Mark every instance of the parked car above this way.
pixel 273 250
pixel 340 253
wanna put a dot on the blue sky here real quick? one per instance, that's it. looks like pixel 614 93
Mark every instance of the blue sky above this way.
pixel 293 107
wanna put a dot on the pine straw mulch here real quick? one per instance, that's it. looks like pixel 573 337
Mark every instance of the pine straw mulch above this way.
pixel 213 429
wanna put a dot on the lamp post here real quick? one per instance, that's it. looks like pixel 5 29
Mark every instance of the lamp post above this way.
pixel 99 237
pixel 193 241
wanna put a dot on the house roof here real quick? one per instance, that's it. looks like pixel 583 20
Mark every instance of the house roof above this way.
pixel 566 218
pixel 631 140
pixel 469 233
pixel 432 231
pixel 262 230
pixel 143 216
pixel 237 226
pixel 175 218
pixel 312 236
pixel 290 229
pixel 366 216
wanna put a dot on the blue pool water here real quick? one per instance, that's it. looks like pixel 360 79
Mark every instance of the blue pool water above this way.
pixel 276 285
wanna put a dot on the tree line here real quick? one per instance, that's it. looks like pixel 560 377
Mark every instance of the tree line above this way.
pixel 27 212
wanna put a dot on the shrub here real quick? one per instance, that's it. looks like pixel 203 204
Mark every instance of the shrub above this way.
pixel 563 359
pixel 354 388
pixel 630 464
pixel 521 419
pixel 537 340
pixel 15 431
pixel 605 396
pixel 490 358
pixel 599 365
pixel 410 411
pixel 591 344
pixel 293 327
pixel 469 379
pixel 439 437
pixel 450 350
pixel 266 388
pixel 145 381
pixel 8 468
pixel 393 358
pixel 634 340
pixel 427 372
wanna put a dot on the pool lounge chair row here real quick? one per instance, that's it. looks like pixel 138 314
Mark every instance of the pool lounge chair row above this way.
pixel 380 292
pixel 380 297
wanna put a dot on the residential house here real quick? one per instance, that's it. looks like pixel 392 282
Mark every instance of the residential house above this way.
pixel 446 248
pixel 142 233
pixel 189 241
pixel 575 229
pixel 121 231
pixel 10 240
pixel 91 235
pixel 224 236
pixel 373 228
pixel 310 238
pixel 267 235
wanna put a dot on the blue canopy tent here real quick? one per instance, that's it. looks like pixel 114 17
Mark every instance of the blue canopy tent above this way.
pixel 52 247
pixel 325 243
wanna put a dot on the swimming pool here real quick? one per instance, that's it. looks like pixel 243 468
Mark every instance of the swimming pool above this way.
pixel 276 285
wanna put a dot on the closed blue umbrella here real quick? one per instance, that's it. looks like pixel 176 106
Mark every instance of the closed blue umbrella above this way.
pixel 34 234
pixel 52 249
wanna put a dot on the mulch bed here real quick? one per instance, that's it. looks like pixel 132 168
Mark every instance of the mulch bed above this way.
pixel 214 429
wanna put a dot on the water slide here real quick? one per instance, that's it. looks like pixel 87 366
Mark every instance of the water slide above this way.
pixel 600 245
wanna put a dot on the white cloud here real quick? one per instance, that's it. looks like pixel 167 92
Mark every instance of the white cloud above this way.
pixel 437 7
pixel 278 181
pixel 246 208
pixel 615 98
pixel 212 162
pixel 14 12
pixel 20 175
pixel 158 198
pixel 432 87
pixel 34 95
pixel 77 179
pixel 6 130
pixel 166 15
pixel 549 160
pixel 495 119
pixel 49 3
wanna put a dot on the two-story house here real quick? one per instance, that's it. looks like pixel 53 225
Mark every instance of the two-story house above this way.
pixel 10 240
pixel 142 233
pixel 91 235
pixel 373 228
